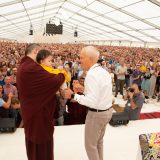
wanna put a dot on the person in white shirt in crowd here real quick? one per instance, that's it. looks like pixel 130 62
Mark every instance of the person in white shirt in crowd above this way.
pixel 98 98
pixel 120 72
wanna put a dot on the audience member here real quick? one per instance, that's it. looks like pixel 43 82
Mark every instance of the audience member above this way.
pixel 137 61
pixel 120 71
pixel 134 103
pixel 4 104
pixel 9 88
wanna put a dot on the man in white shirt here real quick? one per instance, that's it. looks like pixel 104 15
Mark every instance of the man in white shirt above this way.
pixel 120 72
pixel 98 98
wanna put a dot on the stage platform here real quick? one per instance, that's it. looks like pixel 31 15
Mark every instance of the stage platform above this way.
pixel 120 143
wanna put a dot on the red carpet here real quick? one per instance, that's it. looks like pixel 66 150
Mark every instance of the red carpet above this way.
pixel 150 115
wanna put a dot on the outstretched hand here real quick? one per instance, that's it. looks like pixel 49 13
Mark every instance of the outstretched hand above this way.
pixel 67 93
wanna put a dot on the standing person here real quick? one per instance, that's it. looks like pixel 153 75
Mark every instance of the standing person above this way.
pixel 158 81
pixel 44 58
pixel 37 92
pixel 152 83
pixel 136 76
pixel 128 76
pixel 145 86
pixel 120 72
pixel 98 98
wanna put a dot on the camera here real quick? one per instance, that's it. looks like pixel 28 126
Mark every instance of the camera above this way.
pixel 100 61
pixel 130 90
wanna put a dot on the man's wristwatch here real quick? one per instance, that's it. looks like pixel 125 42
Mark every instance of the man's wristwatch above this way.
pixel 72 95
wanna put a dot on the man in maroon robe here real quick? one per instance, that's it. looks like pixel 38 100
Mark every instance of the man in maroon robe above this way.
pixel 37 89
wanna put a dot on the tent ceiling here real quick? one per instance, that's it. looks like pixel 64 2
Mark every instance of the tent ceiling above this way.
pixel 132 20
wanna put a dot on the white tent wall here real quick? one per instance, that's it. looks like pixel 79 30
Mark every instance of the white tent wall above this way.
pixel 133 22
pixel 123 43
pixel 153 45
pixel 39 38
pixel 26 38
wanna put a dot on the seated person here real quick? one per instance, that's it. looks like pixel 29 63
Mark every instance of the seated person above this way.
pixel 15 111
pixel 134 103
pixel 4 105
pixel 9 88
pixel 7 104
pixel 15 103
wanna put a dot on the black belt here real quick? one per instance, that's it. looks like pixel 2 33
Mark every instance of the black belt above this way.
pixel 97 110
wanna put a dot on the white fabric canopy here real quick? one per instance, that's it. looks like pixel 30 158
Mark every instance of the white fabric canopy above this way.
pixel 120 20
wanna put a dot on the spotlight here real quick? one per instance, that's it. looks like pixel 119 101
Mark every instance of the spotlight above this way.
pixel 31 30
pixel 75 33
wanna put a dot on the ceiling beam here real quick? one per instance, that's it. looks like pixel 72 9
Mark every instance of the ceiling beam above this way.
pixel 84 29
pixel 115 21
pixel 38 12
pixel 11 3
pixel 28 21
pixel 129 14
pixel 155 2
pixel 103 24
pixel 32 8
pixel 95 27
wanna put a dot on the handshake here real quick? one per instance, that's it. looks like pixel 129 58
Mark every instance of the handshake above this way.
pixel 77 88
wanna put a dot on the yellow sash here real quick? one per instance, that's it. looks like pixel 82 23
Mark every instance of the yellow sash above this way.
pixel 55 71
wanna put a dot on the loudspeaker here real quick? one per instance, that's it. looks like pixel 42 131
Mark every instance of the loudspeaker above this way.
pixel 53 29
pixel 30 32
pixel 119 118
pixel 75 34
pixel 7 125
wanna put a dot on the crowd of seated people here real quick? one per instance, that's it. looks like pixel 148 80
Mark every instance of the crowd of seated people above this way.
pixel 127 65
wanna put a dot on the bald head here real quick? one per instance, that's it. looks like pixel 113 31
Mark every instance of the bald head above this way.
pixel 89 56
pixel 91 52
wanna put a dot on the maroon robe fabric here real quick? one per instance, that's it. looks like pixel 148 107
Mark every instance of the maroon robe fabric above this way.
pixel 37 89
pixel 76 113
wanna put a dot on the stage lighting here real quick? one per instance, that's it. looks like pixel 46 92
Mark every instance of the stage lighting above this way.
pixel 75 34
pixel 31 30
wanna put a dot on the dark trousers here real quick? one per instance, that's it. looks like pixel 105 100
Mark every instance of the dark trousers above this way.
pixel 42 151
pixel 127 82
pixel 119 85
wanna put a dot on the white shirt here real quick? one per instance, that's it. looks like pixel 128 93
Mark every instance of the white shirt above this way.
pixel 97 89
pixel 123 70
